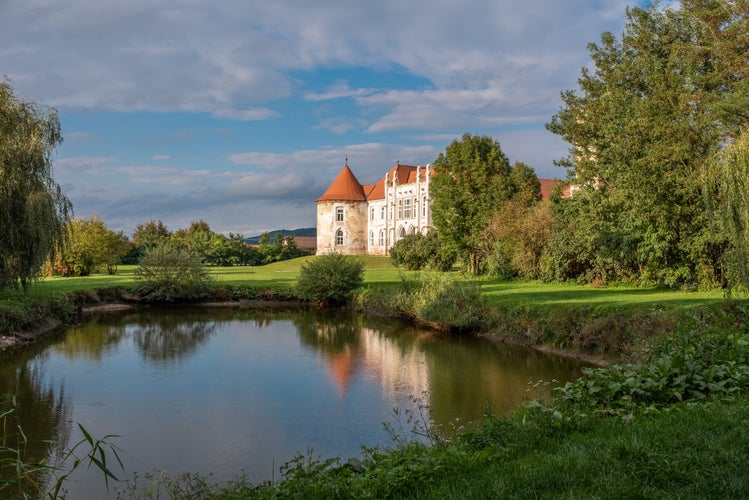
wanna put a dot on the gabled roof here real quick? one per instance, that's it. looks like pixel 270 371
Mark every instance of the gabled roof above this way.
pixel 406 175
pixel 345 187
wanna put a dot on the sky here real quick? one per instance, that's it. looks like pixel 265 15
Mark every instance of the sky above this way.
pixel 242 112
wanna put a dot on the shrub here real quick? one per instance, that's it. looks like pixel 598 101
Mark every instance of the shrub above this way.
pixel 416 251
pixel 441 300
pixel 168 274
pixel 330 279
pixel 409 253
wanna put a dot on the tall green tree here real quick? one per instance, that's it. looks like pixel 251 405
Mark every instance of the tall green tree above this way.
pixel 33 209
pixel 656 105
pixel 472 179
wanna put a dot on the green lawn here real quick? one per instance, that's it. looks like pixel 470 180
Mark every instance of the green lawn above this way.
pixel 380 271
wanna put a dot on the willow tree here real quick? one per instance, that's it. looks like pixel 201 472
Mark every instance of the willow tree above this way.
pixel 33 210
pixel 729 178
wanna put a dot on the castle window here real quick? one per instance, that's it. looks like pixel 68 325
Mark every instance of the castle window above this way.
pixel 382 237
pixel 339 236
pixel 382 213
pixel 400 209
pixel 424 206
pixel 371 214
pixel 401 233
pixel 371 238
pixel 339 214
pixel 407 208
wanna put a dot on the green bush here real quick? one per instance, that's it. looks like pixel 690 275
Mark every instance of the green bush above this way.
pixel 409 253
pixel 170 274
pixel 416 251
pixel 440 300
pixel 330 279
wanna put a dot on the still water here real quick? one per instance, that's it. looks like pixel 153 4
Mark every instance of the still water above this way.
pixel 239 391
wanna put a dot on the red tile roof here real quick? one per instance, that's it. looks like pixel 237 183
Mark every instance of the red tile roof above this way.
pixel 406 175
pixel 548 184
pixel 345 187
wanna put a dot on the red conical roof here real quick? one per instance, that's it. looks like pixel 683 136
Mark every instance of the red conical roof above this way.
pixel 345 187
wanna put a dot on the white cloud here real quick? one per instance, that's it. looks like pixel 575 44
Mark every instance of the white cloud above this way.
pixel 339 90
pixel 246 114
pixel 194 56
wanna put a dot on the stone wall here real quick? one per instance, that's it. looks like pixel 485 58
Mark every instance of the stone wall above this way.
pixel 354 227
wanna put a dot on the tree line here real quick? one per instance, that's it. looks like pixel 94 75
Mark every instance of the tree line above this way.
pixel 92 247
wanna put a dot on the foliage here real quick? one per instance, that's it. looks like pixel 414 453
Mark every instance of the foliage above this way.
pixel 417 251
pixel 33 209
pixel 517 234
pixel 441 300
pixel 168 273
pixel 728 182
pixel 697 361
pixel 90 245
pixel 657 104
pixel 472 178
pixel 331 279
pixel 149 235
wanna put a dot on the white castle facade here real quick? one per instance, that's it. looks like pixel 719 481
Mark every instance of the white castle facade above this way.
pixel 359 219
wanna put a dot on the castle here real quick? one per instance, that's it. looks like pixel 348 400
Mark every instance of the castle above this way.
pixel 359 219
pixel 356 219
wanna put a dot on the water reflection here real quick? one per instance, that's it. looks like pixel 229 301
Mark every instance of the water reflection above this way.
pixel 228 390
pixel 43 409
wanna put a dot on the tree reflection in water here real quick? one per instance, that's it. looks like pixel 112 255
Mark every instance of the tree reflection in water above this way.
pixel 42 411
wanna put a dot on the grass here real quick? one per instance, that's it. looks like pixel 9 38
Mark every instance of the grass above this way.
pixel 380 271
pixel 692 451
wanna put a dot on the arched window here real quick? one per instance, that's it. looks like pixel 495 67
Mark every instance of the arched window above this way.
pixel 412 230
pixel 339 237
pixel 371 237
pixel 401 233
pixel 382 237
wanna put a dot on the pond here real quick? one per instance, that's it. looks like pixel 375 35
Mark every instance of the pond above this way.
pixel 241 391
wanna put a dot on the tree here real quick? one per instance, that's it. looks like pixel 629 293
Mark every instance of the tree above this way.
pixel 92 245
pixel 517 234
pixel 33 209
pixel 150 234
pixel 658 104
pixel 472 179
pixel 729 178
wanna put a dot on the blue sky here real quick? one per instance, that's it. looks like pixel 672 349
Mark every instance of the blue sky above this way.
pixel 241 112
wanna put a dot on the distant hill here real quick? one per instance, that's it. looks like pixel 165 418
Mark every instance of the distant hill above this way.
pixel 305 231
